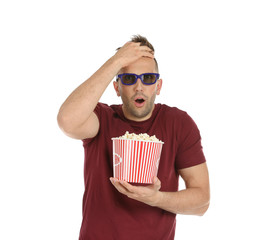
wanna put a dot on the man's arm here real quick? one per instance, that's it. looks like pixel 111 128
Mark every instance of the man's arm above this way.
pixel 194 200
pixel 76 117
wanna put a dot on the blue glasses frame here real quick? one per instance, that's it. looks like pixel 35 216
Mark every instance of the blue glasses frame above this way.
pixel 141 76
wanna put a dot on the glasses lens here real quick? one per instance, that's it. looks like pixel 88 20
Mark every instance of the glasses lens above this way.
pixel 149 78
pixel 128 79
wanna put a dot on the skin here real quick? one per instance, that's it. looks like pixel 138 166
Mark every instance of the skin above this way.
pixel 77 120
pixel 131 92
pixel 194 200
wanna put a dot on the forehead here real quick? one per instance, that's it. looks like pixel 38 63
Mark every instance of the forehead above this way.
pixel 142 65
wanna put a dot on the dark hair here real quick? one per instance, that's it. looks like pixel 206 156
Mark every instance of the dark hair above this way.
pixel 143 42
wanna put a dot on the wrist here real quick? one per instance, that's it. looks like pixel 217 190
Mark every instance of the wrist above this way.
pixel 158 199
pixel 116 63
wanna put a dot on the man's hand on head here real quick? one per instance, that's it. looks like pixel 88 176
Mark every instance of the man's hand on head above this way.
pixel 149 194
pixel 131 52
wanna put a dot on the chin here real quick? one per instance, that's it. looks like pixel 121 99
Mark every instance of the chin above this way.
pixel 140 114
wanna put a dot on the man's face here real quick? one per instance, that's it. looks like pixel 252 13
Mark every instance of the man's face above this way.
pixel 138 99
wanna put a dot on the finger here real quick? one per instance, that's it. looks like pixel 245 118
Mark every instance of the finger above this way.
pixel 130 191
pixel 128 186
pixel 146 49
pixel 119 186
pixel 137 46
pixel 147 54
pixel 157 183
pixel 155 179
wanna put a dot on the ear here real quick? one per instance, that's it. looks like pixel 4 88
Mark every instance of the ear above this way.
pixel 116 87
pixel 159 85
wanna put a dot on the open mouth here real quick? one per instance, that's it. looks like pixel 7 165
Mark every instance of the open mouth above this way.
pixel 140 100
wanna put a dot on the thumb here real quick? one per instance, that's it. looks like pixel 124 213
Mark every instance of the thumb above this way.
pixel 157 182
pixel 155 179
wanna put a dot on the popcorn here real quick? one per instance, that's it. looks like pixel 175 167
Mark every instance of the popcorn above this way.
pixel 141 136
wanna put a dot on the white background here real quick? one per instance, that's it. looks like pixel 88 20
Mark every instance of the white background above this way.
pixel 211 60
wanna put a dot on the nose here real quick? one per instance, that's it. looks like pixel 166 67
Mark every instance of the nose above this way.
pixel 138 85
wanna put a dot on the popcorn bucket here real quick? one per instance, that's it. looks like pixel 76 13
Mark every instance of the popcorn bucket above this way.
pixel 136 161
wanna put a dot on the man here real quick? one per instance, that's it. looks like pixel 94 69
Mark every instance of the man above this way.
pixel 117 209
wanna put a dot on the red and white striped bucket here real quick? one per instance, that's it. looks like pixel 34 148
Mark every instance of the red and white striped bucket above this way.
pixel 136 160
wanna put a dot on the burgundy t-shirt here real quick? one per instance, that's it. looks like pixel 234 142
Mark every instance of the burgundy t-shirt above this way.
pixel 110 215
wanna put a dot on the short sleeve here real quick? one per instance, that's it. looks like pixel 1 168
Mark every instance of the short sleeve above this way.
pixel 98 112
pixel 190 150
